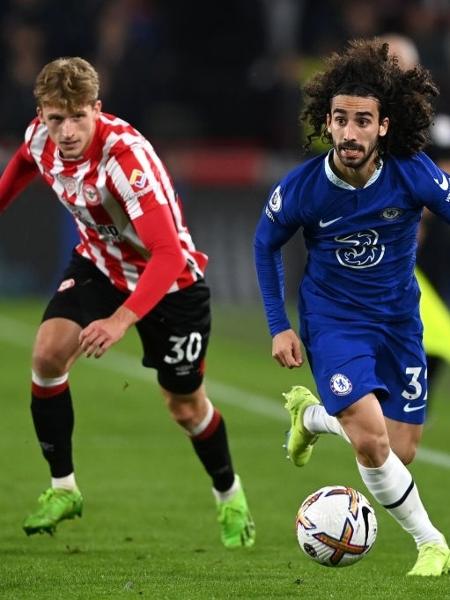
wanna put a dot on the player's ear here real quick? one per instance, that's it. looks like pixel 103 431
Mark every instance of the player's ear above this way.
pixel 39 113
pixel 97 108
pixel 384 126
pixel 328 123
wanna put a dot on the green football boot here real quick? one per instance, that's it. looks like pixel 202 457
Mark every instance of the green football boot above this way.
pixel 237 529
pixel 55 505
pixel 433 560
pixel 299 442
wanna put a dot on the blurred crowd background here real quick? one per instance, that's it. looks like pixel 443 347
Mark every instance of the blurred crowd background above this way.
pixel 216 87
pixel 185 71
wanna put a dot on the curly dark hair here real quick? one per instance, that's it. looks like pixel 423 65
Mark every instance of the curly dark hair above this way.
pixel 365 69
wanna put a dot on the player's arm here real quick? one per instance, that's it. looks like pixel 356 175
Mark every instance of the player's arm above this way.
pixel 270 236
pixel 19 172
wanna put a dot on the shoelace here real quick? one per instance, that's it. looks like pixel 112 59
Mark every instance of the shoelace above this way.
pixel 47 495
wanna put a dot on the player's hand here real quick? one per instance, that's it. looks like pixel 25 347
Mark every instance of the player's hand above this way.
pixel 98 336
pixel 286 349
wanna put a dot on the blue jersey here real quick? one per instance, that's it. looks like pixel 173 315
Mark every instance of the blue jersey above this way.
pixel 361 242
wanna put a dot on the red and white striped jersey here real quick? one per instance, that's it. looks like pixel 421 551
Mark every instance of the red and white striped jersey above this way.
pixel 124 206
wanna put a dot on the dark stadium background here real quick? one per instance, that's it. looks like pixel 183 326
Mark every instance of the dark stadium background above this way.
pixel 215 87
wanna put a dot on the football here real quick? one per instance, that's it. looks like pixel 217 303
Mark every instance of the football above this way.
pixel 336 526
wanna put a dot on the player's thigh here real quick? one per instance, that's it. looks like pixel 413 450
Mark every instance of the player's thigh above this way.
pixel 84 294
pixel 343 362
pixel 401 364
pixel 175 338
pixel 363 418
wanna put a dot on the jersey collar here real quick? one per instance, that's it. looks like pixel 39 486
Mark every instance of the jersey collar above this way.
pixel 331 175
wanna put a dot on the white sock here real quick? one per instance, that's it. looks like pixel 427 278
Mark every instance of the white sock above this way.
pixel 317 420
pixel 393 487
pixel 223 496
pixel 66 483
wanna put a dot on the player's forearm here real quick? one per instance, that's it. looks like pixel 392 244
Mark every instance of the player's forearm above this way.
pixel 269 268
pixel 161 272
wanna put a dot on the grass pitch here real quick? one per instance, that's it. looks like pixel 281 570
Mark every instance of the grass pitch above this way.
pixel 149 529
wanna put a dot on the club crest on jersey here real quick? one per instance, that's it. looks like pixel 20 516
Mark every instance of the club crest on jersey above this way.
pixel 276 200
pixel 138 179
pixel 340 384
pixel 360 250
pixel 91 194
pixel 391 213
pixel 66 284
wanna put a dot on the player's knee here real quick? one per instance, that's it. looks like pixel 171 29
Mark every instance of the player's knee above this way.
pixel 47 362
pixel 185 398
pixel 186 409
pixel 185 413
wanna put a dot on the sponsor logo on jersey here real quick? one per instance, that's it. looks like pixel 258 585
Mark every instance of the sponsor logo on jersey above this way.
pixel 66 284
pixel 443 184
pixel 138 179
pixel 340 384
pixel 391 213
pixel 276 200
pixel 109 233
pixel 91 194
pixel 361 250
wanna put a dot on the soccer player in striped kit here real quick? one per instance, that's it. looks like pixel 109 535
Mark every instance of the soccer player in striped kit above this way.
pixel 359 206
pixel 136 264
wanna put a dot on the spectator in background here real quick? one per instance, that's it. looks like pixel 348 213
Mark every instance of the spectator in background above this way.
pixel 190 71
pixel 131 56
pixel 215 46
pixel 24 50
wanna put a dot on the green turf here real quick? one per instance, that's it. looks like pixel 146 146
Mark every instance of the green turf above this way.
pixel 149 530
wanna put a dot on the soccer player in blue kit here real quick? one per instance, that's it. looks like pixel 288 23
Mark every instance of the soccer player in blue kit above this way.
pixel 359 207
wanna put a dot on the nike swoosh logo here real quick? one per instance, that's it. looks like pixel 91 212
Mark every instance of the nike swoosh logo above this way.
pixel 327 223
pixel 366 512
pixel 408 408
pixel 444 184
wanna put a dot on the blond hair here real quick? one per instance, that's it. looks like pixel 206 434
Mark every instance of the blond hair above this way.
pixel 68 83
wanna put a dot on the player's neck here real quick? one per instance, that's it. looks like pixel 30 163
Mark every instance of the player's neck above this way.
pixel 356 177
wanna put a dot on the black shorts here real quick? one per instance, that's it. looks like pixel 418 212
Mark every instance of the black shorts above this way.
pixel 174 334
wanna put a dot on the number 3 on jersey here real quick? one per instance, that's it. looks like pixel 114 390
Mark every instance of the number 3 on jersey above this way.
pixel 414 383
pixel 186 348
